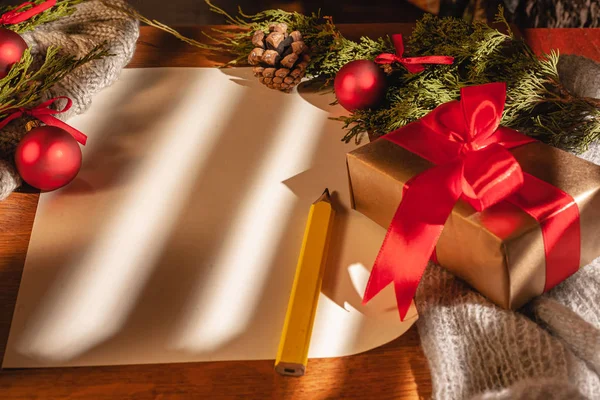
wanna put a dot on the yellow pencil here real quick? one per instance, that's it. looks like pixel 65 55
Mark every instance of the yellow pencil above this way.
pixel 292 355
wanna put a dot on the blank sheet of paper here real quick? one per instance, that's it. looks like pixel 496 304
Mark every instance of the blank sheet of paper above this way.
pixel 179 238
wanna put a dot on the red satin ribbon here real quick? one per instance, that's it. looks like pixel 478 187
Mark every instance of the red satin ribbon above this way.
pixel 412 64
pixel 463 138
pixel 15 16
pixel 44 113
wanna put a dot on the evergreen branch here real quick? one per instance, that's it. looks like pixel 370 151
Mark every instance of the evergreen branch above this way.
pixel 537 103
pixel 501 19
pixel 22 87
pixel 125 9
pixel 61 9
pixel 229 19
pixel 329 49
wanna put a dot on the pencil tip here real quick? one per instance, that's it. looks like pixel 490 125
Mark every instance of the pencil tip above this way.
pixel 324 197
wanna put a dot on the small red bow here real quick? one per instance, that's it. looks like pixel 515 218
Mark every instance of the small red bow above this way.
pixel 412 64
pixel 44 113
pixel 15 16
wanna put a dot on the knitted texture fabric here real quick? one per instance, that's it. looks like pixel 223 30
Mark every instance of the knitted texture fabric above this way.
pixel 91 24
pixel 580 75
pixel 548 350
pixel 478 350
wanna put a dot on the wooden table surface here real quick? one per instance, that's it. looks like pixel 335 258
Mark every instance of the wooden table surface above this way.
pixel 396 370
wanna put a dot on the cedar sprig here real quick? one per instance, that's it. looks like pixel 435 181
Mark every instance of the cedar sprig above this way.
pixel 236 39
pixel 61 9
pixel 128 10
pixel 23 86
pixel 328 48
pixel 537 103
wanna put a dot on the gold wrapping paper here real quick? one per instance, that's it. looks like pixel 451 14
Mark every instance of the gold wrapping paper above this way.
pixel 500 251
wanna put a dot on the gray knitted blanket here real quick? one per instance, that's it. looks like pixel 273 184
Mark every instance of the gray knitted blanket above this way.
pixel 548 350
pixel 91 24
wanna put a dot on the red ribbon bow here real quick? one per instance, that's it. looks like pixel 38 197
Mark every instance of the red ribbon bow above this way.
pixel 412 64
pixel 44 113
pixel 463 138
pixel 15 16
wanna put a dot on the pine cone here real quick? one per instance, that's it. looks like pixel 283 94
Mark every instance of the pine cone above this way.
pixel 280 59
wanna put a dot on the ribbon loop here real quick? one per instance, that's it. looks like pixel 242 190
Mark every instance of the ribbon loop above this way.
pixel 44 108
pixel 16 16
pixel 45 113
pixel 482 109
pixel 412 64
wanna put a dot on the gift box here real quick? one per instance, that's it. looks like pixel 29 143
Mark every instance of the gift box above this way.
pixel 522 242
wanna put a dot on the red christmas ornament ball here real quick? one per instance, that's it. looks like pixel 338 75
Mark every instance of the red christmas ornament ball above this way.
pixel 48 158
pixel 360 85
pixel 12 47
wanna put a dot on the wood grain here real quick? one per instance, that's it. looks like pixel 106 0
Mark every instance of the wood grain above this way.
pixel 396 370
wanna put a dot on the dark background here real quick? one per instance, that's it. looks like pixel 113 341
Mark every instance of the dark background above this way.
pixel 352 11
pixel 524 13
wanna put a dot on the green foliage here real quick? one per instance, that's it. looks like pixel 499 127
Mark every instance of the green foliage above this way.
pixel 327 61
pixel 537 103
pixel 61 9
pixel 23 86
pixel 330 51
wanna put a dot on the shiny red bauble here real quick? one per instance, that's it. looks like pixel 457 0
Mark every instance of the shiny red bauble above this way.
pixel 360 85
pixel 12 47
pixel 48 158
